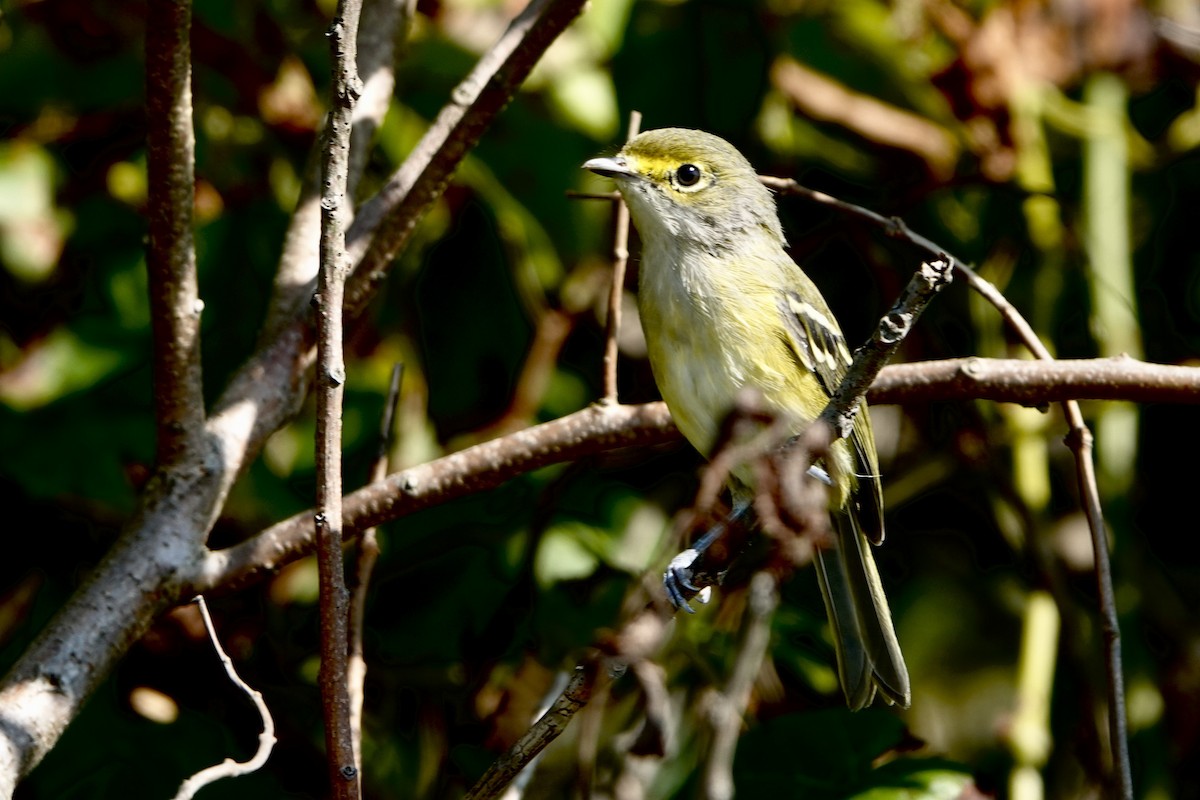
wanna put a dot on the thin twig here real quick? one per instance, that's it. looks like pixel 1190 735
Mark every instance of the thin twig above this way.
pixel 385 223
pixel 331 379
pixel 548 728
pixel 171 253
pixel 931 278
pixel 729 707
pixel 266 740
pixel 364 565
pixel 382 34
pixel 1078 439
pixel 616 293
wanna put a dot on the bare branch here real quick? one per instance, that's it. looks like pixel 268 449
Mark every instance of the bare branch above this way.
pixel 381 36
pixel 543 732
pixel 617 290
pixel 595 430
pixel 728 708
pixel 364 565
pixel 266 740
pixel 1036 383
pixel 171 254
pixel 1079 440
pixel 331 372
pixel 161 549
pixel 926 282
pixel 475 469
pixel 138 579
pixel 385 223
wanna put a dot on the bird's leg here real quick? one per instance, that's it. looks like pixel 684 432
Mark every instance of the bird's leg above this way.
pixel 686 575
pixel 686 570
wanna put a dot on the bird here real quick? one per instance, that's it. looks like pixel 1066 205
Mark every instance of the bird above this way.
pixel 724 308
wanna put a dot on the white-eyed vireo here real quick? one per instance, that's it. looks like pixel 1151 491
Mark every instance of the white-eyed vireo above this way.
pixel 724 307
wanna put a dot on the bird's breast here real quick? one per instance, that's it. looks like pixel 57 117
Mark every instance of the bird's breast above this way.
pixel 704 344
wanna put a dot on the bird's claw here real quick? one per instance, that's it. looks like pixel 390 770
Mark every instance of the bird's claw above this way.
pixel 678 581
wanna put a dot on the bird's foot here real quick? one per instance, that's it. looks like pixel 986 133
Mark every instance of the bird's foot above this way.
pixel 679 581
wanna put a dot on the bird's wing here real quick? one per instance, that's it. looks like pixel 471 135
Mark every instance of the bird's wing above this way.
pixel 818 343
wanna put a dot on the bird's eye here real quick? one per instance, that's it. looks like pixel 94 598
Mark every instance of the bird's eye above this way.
pixel 687 175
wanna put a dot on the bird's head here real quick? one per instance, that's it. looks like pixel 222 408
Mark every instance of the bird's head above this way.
pixel 692 185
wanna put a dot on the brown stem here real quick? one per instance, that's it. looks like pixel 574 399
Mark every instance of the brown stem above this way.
pixel 171 254
pixel 384 223
pixel 1036 383
pixel 466 472
pixel 364 565
pixel 548 728
pixel 926 282
pixel 616 292
pixel 331 379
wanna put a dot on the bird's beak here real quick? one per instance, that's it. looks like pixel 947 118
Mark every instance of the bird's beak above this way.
pixel 609 167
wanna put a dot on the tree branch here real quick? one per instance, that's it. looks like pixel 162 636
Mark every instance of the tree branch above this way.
pixel 171 255
pixel 616 292
pixel 384 223
pixel 331 371
pixel 926 282
pixel 475 469
pixel 1078 439
pixel 381 35
pixel 266 740
pixel 595 430
pixel 547 728
pixel 1036 383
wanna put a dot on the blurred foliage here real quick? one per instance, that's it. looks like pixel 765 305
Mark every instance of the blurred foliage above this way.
pixel 1036 140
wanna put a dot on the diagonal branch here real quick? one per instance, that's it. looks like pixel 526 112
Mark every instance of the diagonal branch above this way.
pixel 484 466
pixel 381 37
pixel 385 223
pixel 931 278
pixel 171 254
pixel 545 730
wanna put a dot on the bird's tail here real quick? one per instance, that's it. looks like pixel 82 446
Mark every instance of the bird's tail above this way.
pixel 868 653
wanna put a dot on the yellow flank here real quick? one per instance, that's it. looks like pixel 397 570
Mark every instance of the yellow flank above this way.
pixel 729 318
